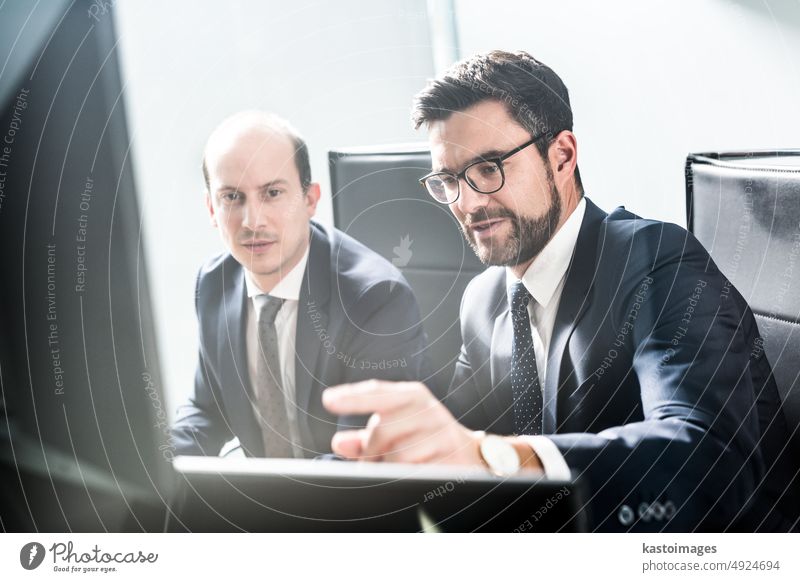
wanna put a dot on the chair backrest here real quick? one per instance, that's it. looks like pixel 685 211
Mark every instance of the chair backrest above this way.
pixel 378 200
pixel 744 207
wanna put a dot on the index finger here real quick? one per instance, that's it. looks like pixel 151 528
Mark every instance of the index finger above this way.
pixel 370 396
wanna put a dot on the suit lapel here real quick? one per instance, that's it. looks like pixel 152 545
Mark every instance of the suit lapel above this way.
pixel 235 372
pixel 575 298
pixel 500 401
pixel 312 315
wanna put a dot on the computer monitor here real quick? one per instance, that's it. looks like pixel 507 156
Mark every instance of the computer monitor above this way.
pixel 83 425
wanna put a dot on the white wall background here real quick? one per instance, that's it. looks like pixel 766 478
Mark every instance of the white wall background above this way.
pixel 652 81
pixel 343 72
pixel 649 81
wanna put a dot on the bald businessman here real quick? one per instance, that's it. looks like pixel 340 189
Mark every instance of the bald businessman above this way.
pixel 289 308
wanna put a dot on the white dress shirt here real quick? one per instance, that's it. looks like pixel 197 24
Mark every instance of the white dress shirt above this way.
pixel 544 279
pixel 287 289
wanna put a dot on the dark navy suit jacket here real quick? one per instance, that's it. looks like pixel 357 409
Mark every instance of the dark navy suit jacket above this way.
pixel 357 318
pixel 658 393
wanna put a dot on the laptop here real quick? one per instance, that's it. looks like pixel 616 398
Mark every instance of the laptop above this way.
pixel 296 495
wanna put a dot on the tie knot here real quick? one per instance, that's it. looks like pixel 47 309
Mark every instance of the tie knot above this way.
pixel 269 308
pixel 520 297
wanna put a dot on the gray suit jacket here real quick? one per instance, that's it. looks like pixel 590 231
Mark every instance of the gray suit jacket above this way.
pixel 357 319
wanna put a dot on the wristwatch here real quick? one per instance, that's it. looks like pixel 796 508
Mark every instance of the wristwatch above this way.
pixel 499 455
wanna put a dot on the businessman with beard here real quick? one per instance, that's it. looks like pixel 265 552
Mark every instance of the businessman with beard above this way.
pixel 598 345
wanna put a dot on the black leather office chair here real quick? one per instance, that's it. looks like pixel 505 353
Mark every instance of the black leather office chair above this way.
pixel 745 209
pixel 377 199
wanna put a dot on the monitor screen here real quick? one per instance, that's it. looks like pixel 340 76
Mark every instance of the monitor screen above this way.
pixel 83 427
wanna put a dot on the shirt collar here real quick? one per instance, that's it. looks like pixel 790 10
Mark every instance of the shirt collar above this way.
pixel 287 288
pixel 545 273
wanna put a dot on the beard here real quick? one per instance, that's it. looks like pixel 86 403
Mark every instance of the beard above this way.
pixel 528 235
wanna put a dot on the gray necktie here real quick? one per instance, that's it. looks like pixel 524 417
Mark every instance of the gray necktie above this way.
pixel 268 390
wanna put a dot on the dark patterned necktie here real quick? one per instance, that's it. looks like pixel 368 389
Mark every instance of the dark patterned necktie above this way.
pixel 525 386
pixel 268 390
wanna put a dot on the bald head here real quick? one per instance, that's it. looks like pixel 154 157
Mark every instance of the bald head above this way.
pixel 259 193
pixel 257 126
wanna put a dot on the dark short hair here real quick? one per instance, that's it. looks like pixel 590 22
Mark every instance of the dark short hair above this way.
pixel 533 94
pixel 301 157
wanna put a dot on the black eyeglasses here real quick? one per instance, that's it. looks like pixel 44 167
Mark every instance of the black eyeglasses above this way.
pixel 485 176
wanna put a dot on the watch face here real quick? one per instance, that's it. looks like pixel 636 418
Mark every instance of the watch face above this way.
pixel 500 455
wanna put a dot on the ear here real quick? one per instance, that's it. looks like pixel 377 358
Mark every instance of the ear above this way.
pixel 563 156
pixel 210 207
pixel 312 198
